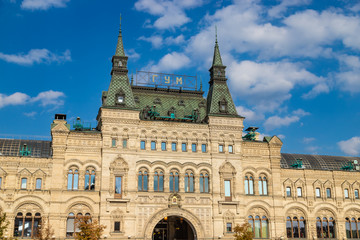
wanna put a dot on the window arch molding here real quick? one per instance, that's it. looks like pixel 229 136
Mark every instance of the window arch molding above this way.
pixel 227 174
pixel 259 220
pixel 346 190
pixel 300 190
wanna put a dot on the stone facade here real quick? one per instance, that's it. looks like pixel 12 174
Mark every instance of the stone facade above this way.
pixel 246 180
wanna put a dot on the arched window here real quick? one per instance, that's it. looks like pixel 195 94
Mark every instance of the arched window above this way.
pixel 352 227
pixel 325 228
pixel 174 181
pixel 263 185
pixel 295 227
pixel 159 181
pixel 189 181
pixel 26 226
pixel 249 184
pixel 143 180
pixel 204 182
pixel 90 179
pixel 259 226
pixel 73 179
pixel 70 225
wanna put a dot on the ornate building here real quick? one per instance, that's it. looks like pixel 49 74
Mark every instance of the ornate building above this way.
pixel 167 163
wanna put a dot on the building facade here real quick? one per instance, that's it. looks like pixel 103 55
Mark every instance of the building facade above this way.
pixel 168 163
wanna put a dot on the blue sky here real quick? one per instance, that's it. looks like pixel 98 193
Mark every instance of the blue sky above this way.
pixel 293 66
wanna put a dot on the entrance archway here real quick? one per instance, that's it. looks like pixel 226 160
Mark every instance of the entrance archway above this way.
pixel 174 227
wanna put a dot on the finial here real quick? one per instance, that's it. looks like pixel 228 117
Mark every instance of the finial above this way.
pixel 216 34
pixel 132 79
pixel 120 22
pixel 200 84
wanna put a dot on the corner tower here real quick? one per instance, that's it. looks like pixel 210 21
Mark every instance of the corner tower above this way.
pixel 219 100
pixel 119 94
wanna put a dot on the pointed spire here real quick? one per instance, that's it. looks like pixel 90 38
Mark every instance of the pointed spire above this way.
pixel 201 86
pixel 120 46
pixel 217 57
pixel 132 79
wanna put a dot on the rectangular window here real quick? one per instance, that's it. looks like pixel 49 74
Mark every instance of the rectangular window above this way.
pixel 228 227
pixel 23 183
pixel 346 193
pixel 38 183
pixel 153 145
pixel 317 192
pixel 118 190
pixel 163 146
pixel 221 148
pixel 183 147
pixel 328 193
pixel 299 192
pixel 288 191
pixel 193 147
pixel 203 148
pixel 142 145
pixel 231 149
pixel 116 226
pixel 173 146
pixel 124 143
pixel 227 186
pixel 113 142
pixel 356 192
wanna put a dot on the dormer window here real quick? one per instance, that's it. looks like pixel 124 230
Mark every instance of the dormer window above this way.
pixel 120 98
pixel 223 106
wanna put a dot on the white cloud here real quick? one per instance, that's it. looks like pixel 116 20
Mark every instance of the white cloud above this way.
pixel 175 40
pixel 170 13
pixel 348 79
pixel 281 136
pixel 170 62
pixel 276 121
pixel 30 114
pixel 156 40
pixel 350 146
pixel 312 149
pixel 36 56
pixel 308 140
pixel 49 98
pixel 249 114
pixel 43 4
pixel 44 98
pixel 277 10
pixel 267 85
pixel 132 54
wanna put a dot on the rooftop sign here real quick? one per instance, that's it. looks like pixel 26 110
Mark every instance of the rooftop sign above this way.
pixel 152 79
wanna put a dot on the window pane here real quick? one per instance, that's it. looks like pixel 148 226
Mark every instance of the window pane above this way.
pixel 346 193
pixel 203 148
pixel 228 227
pixel 332 229
pixel 299 192
pixel 69 181
pixel 288 191
pixel 257 228
pixel 0 182
pixel 153 145
pixel 260 188
pixel 163 146
pixel 201 182
pixel 353 229
pixel 191 184
pixel 193 147
pixel 145 182
pixel 183 147
pixel 318 229
pixel 124 143
pixel 171 183
pixel 27 227
pixel 227 188
pixel 328 193
pixel 348 231
pixel 356 193
pixel 176 183
pixel 142 145
pixel 288 228
pixel 76 181
pixel 264 228
pixel 23 183
pixel 113 142
pixel 230 149
pixel 246 186
pixel 296 228
pixel 38 183
pixel 18 228
pixel 221 148
pixel 118 185
pixel 87 187
pixel 161 183
pixel 302 229
pixel 251 186
pixel 206 184
pixel 140 182
pixel 117 226
pixel 173 146
pixel 265 187
pixel 186 184
pixel 156 181
pixel 92 185
pixel 325 229
pixel 318 192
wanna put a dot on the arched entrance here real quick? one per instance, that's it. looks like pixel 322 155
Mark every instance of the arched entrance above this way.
pixel 174 227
